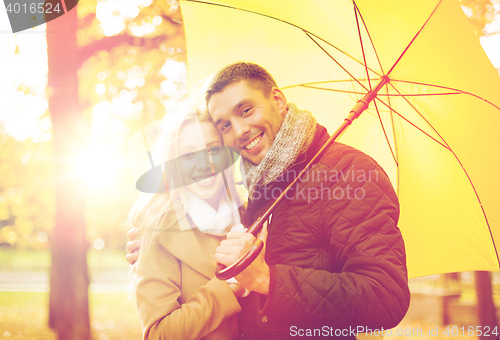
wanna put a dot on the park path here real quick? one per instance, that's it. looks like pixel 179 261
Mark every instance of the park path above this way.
pixel 106 281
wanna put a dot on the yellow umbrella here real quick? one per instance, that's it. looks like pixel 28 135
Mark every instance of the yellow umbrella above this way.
pixel 433 126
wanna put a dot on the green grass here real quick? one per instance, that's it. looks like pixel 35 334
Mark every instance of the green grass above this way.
pixel 14 259
pixel 11 259
pixel 16 308
pixel 23 315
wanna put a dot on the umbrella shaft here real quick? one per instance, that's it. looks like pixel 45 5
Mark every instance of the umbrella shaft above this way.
pixel 363 103
pixel 360 106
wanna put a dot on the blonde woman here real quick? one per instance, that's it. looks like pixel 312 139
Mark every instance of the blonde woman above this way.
pixel 177 295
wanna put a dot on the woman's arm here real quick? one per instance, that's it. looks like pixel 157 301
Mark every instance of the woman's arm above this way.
pixel 158 281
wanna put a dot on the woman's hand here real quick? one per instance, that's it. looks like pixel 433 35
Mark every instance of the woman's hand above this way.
pixel 133 245
pixel 237 289
pixel 239 227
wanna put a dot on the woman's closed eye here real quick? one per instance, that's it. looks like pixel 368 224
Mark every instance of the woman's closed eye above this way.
pixel 214 150
pixel 187 155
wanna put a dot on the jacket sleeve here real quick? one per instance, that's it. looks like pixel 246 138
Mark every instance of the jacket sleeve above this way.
pixel 369 286
pixel 157 287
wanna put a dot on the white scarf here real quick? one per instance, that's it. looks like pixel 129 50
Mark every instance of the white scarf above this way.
pixel 208 220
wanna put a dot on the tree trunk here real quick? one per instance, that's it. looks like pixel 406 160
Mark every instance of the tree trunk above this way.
pixel 69 311
pixel 485 305
pixel 451 284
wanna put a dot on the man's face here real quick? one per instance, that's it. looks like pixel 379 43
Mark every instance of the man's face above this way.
pixel 247 119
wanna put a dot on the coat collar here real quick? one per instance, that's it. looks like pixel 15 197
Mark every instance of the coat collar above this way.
pixel 194 248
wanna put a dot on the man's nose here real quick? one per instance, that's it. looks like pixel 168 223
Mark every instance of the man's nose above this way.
pixel 241 130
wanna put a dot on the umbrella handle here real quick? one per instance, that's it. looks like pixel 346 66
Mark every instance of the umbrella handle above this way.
pixel 223 273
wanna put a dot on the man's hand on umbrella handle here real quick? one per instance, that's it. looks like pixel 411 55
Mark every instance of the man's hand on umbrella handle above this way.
pixel 133 245
pixel 256 276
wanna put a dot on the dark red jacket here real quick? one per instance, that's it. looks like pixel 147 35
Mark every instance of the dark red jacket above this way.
pixel 336 255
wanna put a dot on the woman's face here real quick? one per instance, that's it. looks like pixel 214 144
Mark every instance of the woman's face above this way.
pixel 199 147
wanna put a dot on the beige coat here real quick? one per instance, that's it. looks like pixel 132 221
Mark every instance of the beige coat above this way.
pixel 177 295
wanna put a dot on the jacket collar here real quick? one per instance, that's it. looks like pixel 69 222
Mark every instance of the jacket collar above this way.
pixel 194 248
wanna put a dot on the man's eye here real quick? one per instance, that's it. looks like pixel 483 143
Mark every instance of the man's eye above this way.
pixel 246 112
pixel 225 126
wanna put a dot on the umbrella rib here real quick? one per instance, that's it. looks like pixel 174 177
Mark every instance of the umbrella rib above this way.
pixel 421 116
pixel 310 34
pixel 362 93
pixel 458 91
pixel 308 85
pixel 356 11
pixel 332 81
pixel 335 60
pixel 415 37
pixel 385 134
pixel 391 115
pixel 370 37
pixel 413 124
pixel 422 94
pixel 353 88
pixel 332 90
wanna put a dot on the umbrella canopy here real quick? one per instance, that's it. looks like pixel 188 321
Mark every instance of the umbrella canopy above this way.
pixel 433 127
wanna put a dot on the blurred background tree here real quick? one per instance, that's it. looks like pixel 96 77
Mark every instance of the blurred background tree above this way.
pixel 482 14
pixel 69 281
pixel 131 71
pixel 26 195
pixel 120 63
pixel 113 67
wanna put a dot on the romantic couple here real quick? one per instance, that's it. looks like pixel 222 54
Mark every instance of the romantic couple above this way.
pixel 329 265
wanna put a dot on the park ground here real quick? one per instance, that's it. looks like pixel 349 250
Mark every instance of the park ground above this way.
pixel 24 300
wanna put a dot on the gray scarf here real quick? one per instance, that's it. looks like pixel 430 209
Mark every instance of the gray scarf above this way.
pixel 295 136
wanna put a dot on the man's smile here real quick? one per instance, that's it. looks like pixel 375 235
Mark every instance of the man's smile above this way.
pixel 252 145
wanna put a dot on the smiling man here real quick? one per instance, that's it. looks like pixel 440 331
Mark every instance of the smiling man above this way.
pixel 334 256
pixel 246 119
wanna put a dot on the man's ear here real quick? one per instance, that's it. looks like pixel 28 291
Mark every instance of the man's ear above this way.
pixel 280 101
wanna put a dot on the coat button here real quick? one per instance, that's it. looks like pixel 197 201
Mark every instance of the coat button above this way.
pixel 264 319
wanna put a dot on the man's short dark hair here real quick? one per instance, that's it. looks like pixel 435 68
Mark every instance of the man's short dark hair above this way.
pixel 256 76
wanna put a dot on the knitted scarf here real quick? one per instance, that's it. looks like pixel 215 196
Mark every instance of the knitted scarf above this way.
pixel 295 136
